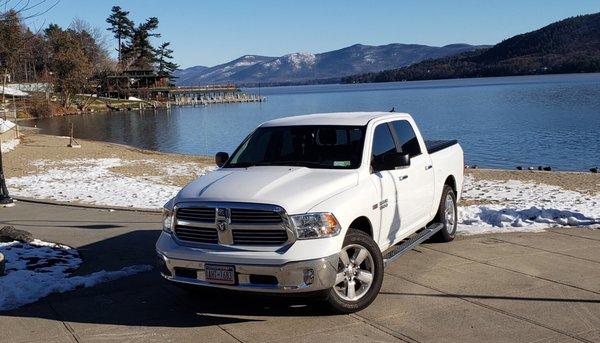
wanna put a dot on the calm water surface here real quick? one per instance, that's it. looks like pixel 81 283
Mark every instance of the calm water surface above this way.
pixel 500 122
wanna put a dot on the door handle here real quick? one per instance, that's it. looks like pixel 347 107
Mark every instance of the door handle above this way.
pixel 428 167
pixel 403 177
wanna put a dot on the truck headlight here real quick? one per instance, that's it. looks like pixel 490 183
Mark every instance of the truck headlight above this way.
pixel 167 220
pixel 315 225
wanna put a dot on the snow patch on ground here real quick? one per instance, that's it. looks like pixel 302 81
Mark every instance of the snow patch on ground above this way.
pixel 6 146
pixel 512 206
pixel 91 181
pixel 6 125
pixel 37 269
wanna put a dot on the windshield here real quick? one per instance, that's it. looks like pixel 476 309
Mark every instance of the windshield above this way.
pixel 332 147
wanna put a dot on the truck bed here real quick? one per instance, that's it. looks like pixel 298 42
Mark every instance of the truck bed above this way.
pixel 434 146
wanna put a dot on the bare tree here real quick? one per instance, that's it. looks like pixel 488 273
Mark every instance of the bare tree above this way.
pixel 27 9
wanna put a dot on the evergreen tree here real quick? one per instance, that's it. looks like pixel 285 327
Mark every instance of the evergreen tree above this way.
pixel 164 65
pixel 121 26
pixel 12 41
pixel 140 53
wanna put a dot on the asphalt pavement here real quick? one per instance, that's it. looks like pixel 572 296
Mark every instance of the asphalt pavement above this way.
pixel 518 287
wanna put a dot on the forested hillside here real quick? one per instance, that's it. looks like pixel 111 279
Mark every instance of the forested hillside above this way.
pixel 568 46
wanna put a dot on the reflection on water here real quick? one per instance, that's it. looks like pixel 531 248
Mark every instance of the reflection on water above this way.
pixel 501 122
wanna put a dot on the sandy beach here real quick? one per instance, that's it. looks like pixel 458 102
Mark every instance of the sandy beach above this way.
pixel 53 150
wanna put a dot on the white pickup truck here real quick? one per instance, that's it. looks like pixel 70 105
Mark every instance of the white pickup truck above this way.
pixel 316 202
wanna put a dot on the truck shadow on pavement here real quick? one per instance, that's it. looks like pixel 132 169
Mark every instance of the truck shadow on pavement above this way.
pixel 148 300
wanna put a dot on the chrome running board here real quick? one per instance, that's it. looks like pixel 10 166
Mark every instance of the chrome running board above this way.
pixel 411 242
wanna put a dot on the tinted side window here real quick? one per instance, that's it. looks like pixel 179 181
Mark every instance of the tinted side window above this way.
pixel 383 144
pixel 406 135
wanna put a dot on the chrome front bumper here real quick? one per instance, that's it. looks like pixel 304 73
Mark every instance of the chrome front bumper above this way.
pixel 291 277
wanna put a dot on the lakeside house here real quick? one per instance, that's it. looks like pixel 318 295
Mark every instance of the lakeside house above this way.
pixel 148 85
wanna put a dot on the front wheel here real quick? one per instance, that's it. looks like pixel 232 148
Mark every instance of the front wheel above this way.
pixel 360 274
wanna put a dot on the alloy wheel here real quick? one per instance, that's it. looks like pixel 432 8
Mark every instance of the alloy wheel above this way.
pixel 355 272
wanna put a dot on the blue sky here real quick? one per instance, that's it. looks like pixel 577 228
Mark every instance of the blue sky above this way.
pixel 214 32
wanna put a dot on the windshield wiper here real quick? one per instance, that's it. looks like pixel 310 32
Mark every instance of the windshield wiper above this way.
pixel 298 163
pixel 277 163
pixel 248 164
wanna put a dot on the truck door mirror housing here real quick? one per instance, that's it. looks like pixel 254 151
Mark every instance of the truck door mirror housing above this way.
pixel 221 158
pixel 395 160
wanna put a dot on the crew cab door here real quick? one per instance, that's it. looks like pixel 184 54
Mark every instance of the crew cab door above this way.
pixel 415 183
pixel 385 203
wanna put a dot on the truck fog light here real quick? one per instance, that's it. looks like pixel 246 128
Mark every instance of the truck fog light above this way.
pixel 309 276
pixel 162 266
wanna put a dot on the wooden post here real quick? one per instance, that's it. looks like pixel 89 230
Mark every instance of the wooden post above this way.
pixel 16 122
pixel 72 142
pixel 4 90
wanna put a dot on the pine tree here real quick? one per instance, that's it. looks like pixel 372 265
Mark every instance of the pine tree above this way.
pixel 164 65
pixel 121 26
pixel 12 42
pixel 140 53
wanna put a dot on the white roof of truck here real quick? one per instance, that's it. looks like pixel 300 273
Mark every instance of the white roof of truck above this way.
pixel 335 118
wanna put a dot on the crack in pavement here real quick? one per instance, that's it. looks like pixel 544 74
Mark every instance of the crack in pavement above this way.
pixel 498 310
pixel 381 328
pixel 70 330
pixel 516 271
pixel 548 251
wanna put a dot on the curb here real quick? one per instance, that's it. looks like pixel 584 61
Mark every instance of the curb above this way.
pixel 2 263
pixel 87 206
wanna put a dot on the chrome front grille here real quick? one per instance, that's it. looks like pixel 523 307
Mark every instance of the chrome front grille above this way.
pixel 232 224
pixel 248 216
pixel 197 214
pixel 197 234
pixel 259 237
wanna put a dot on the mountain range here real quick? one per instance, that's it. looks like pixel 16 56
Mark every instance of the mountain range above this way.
pixel 571 45
pixel 298 68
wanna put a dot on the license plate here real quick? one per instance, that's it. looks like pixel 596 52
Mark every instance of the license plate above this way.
pixel 219 274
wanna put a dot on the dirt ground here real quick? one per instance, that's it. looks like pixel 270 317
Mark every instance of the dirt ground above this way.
pixel 35 147
pixel 587 183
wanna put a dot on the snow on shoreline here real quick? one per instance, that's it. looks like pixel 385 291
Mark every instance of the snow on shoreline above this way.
pixel 515 206
pixel 37 269
pixel 6 125
pixel 11 144
pixel 91 181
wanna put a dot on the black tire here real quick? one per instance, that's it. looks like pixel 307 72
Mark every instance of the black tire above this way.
pixel 335 301
pixel 448 232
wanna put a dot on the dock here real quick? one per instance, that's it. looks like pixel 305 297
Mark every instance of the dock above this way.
pixel 204 95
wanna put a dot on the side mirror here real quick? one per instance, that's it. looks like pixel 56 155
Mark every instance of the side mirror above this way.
pixel 221 158
pixel 396 160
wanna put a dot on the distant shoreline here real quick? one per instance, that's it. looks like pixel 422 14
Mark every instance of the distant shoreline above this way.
pixel 300 84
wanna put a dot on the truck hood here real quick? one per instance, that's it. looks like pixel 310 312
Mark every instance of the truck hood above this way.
pixel 296 189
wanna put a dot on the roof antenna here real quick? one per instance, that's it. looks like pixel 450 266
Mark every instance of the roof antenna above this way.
pixel 393 109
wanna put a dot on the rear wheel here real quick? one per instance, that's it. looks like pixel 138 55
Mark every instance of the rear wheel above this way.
pixel 447 215
pixel 360 274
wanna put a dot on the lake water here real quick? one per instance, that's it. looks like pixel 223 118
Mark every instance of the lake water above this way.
pixel 502 122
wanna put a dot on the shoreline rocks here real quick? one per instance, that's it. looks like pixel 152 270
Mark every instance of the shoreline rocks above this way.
pixel 10 234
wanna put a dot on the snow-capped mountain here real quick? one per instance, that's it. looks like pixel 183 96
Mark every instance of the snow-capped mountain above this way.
pixel 218 74
pixel 303 67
